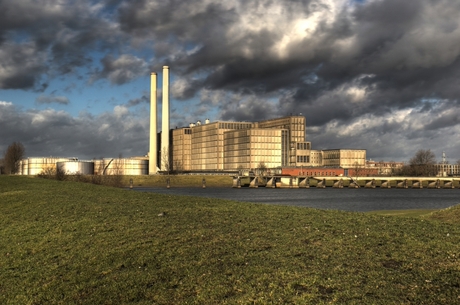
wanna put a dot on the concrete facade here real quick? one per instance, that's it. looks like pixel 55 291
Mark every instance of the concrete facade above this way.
pixel 313 171
pixel 255 147
pixel 386 168
pixel 235 145
pixel 279 142
pixel 346 158
pixel 445 169
pixel 181 149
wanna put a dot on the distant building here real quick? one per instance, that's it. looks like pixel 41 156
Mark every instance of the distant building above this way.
pixel 346 158
pixel 279 142
pixel 314 171
pixel 221 145
pixel 385 168
pixel 445 169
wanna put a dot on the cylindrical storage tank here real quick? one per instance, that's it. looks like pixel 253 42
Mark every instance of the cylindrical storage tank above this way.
pixel 98 167
pixel 132 167
pixel 135 167
pixel 35 166
pixel 76 167
pixel 41 165
pixel 25 167
pixel 111 166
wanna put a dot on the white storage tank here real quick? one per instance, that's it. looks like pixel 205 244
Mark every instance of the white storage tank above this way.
pixel 131 167
pixel 134 167
pixel 98 166
pixel 24 167
pixel 37 166
pixel 76 167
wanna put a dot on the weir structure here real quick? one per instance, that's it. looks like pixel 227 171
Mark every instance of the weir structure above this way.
pixel 279 181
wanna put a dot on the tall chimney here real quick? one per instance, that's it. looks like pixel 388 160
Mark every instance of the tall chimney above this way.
pixel 153 162
pixel 165 153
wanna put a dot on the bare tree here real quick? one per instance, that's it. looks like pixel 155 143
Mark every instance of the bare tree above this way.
pixel 177 166
pixel 422 162
pixel 262 168
pixel 357 170
pixel 113 173
pixel 14 153
pixel 262 171
pixel 166 165
pixel 2 166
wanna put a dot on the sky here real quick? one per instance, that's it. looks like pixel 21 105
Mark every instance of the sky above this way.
pixel 381 75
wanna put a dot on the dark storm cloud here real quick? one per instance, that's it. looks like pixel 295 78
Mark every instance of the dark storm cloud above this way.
pixel 22 65
pixel 407 46
pixel 137 101
pixel 376 74
pixel 249 109
pixel 335 62
pixel 44 38
pixel 121 70
pixel 55 132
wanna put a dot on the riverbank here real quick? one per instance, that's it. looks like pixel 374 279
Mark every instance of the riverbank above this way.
pixel 72 243
pixel 179 180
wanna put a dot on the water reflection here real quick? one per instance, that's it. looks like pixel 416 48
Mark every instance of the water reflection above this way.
pixel 359 200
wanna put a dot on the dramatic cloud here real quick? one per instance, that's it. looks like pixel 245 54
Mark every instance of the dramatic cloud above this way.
pixel 121 70
pixel 50 37
pixel 376 74
pixel 44 99
pixel 55 132
pixel 22 65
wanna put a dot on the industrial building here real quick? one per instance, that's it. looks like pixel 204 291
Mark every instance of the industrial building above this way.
pixel 229 146
pixel 222 145
pixel 210 146
pixel 226 146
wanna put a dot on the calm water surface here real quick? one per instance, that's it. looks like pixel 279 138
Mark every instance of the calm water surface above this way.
pixel 359 200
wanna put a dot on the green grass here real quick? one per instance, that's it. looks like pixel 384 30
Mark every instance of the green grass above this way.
pixel 75 243
pixel 422 213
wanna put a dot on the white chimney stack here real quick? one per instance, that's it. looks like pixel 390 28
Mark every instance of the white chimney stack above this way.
pixel 165 153
pixel 153 125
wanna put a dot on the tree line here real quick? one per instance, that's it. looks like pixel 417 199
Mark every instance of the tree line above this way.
pixel 10 162
pixel 421 164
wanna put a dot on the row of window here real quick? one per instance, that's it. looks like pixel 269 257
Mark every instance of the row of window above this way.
pixel 211 156
pixel 205 145
pixel 303 146
pixel 255 146
pixel 235 125
pixel 247 152
pixel 254 139
pixel 303 159
pixel 205 134
pixel 320 173
pixel 256 159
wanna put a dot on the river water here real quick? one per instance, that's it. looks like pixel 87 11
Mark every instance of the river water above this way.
pixel 358 200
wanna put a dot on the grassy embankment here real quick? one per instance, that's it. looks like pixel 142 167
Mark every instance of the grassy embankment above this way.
pixel 75 243
pixel 179 180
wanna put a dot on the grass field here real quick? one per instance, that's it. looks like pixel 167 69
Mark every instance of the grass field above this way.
pixel 72 243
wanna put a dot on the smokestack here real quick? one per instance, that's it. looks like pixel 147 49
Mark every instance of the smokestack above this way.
pixel 153 125
pixel 165 121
